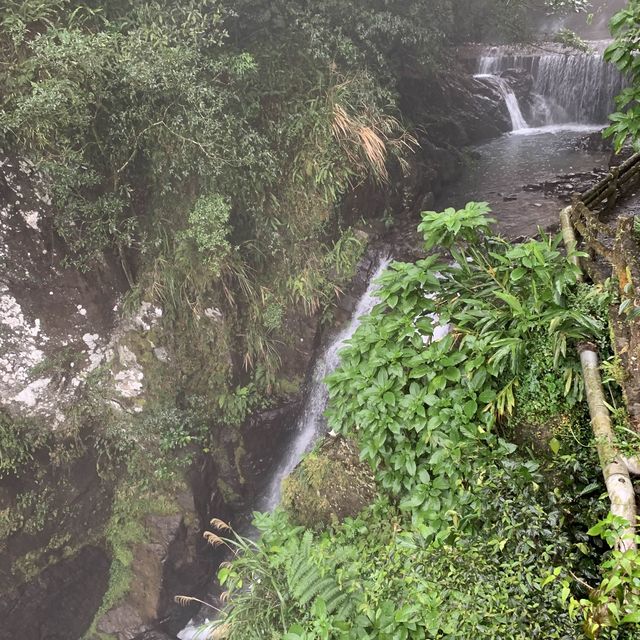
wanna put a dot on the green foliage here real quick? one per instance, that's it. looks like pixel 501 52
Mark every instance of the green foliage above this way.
pixel 18 443
pixel 208 229
pixel 424 408
pixel 571 39
pixel 402 585
pixel 291 584
pixel 612 610
pixel 546 407
pixel 622 52
pixel 154 445
pixel 479 540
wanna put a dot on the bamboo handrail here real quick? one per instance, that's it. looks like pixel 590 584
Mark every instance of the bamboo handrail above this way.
pixel 619 178
pixel 615 468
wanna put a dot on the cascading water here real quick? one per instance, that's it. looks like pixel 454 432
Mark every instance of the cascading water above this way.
pixel 517 119
pixel 567 87
pixel 311 424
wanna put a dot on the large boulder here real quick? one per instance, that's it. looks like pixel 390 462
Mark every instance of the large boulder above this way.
pixel 521 82
pixel 164 565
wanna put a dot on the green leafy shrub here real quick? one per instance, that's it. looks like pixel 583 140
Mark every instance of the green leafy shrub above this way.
pixel 424 408
pixel 280 584
pixel 18 443
pixel 208 229
pixel 403 585
pixel 622 53
pixel 612 609
pixel 468 537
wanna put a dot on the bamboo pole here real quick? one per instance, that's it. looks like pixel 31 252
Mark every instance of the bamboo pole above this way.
pixel 614 467
pixel 569 237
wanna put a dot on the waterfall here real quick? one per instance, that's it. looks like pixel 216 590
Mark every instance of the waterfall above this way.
pixel 311 423
pixel 568 88
pixel 517 119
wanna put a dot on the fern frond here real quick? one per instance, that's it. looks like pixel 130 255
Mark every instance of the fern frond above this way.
pixel 342 606
pixel 331 596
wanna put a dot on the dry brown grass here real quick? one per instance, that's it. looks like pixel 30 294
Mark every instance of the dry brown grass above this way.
pixel 368 140
pixel 221 525
pixel 213 539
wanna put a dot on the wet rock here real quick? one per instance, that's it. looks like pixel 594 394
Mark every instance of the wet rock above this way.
pixel 45 306
pixel 594 142
pixel 521 81
pixel 123 623
pixel 428 202
pixel 455 109
pixel 565 186
pixel 154 635
pixel 60 603
pixel 164 566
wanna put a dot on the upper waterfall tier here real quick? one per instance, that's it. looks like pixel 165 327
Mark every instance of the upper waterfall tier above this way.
pixel 517 119
pixel 568 87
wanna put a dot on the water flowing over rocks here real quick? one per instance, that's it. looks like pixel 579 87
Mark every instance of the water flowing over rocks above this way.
pixel 565 86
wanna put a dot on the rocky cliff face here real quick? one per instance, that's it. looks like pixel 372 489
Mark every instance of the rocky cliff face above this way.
pixel 74 366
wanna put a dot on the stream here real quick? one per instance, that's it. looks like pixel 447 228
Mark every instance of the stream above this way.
pixel 568 98
pixel 501 171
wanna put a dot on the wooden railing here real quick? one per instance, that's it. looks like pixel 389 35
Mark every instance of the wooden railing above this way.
pixel 617 245
pixel 619 182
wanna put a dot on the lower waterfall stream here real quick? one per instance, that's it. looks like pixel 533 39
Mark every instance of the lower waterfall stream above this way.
pixel 311 424
pixel 506 172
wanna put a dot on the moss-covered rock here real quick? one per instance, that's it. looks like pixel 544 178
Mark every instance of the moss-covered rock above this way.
pixel 330 484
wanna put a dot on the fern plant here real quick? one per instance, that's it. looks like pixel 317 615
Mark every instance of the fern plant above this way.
pixel 307 583
pixel 278 586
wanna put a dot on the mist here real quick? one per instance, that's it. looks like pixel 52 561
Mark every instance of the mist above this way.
pixel 593 25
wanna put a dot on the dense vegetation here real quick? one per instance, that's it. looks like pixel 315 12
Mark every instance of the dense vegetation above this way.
pixel 175 140
pixel 204 147
pixel 472 535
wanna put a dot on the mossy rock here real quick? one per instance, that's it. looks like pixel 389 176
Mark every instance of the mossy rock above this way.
pixel 538 436
pixel 329 485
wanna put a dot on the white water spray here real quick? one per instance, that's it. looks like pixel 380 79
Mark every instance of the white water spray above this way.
pixel 517 119
pixel 576 88
pixel 311 423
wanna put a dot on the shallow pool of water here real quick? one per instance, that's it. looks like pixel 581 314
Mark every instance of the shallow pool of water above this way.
pixel 498 171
